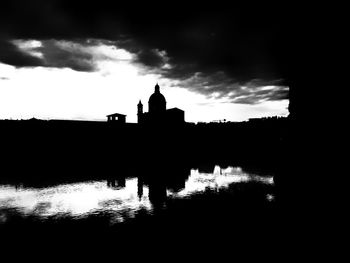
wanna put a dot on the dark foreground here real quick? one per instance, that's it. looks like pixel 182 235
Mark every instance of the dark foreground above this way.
pixel 242 218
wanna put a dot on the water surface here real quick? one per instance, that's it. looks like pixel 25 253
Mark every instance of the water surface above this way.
pixel 121 199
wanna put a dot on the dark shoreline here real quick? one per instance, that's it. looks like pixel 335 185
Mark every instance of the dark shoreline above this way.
pixel 39 153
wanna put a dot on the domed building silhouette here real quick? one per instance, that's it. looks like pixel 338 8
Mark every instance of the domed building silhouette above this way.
pixel 157 102
pixel 157 112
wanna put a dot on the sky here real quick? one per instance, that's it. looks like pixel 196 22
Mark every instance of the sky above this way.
pixel 79 60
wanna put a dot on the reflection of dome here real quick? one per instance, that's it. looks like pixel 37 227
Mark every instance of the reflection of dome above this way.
pixel 156 102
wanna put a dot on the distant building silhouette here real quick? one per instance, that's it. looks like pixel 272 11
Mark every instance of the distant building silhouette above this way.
pixel 157 112
pixel 116 117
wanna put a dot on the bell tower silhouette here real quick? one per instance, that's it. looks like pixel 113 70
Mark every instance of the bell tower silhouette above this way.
pixel 139 112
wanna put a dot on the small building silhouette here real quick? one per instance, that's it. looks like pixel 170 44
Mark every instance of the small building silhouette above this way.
pixel 116 117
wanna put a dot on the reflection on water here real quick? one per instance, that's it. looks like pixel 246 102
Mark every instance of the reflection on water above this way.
pixel 120 199
pixel 219 179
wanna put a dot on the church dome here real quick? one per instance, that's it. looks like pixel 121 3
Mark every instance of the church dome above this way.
pixel 157 102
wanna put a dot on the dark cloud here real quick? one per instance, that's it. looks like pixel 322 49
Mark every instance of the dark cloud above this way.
pixel 50 53
pixel 12 55
pixel 249 96
pixel 213 47
pixel 220 86
pixel 150 57
pixel 66 55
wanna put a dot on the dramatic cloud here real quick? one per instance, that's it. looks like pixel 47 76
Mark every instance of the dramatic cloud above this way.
pixel 61 54
pixel 258 95
pixel 92 55
pixel 218 86
pixel 78 55
pixel 12 55
pixel 243 40
pixel 229 52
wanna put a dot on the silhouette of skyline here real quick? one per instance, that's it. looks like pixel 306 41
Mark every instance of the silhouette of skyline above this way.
pixel 31 94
